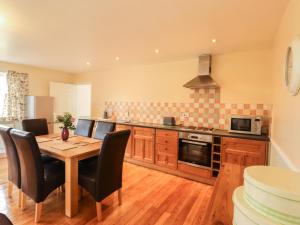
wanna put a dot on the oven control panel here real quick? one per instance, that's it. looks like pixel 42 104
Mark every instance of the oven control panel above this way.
pixel 196 137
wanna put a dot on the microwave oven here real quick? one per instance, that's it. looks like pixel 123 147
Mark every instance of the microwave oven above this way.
pixel 245 124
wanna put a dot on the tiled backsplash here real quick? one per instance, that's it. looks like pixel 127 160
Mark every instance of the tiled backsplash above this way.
pixel 204 110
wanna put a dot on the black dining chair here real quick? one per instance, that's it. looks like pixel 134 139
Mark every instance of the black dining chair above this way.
pixel 104 176
pixel 38 179
pixel 4 220
pixel 104 127
pixel 84 127
pixel 13 162
pixel 38 127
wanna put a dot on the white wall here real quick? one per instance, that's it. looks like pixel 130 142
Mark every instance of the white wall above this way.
pixel 83 100
pixel 72 98
pixel 286 108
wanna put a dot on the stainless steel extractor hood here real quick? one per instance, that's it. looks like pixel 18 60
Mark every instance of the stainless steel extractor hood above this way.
pixel 203 79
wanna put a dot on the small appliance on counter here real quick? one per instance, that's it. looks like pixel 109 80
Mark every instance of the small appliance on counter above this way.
pixel 169 121
pixel 245 125
pixel 105 114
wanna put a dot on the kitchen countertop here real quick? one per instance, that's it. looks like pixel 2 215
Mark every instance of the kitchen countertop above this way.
pixel 216 132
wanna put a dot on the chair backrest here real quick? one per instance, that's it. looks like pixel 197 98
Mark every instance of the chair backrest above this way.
pixel 84 127
pixel 103 128
pixel 14 169
pixel 32 169
pixel 110 164
pixel 36 126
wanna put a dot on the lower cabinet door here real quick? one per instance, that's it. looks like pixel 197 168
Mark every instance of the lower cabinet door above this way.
pixel 143 145
pixel 233 156
pixel 243 158
pixel 244 152
pixel 148 151
pixel 253 159
pixel 138 148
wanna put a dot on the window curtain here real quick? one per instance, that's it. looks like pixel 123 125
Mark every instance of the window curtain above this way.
pixel 17 89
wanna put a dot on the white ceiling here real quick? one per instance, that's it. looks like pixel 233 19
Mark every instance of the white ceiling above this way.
pixel 65 34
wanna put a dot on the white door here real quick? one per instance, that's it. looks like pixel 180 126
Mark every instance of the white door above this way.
pixel 83 100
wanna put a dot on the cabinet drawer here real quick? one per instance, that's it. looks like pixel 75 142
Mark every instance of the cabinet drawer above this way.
pixel 170 149
pixel 243 145
pixel 167 137
pixel 205 173
pixel 122 127
pixel 167 140
pixel 143 131
pixel 166 160
pixel 167 133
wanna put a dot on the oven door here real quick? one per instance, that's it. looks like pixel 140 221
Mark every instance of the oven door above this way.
pixel 195 153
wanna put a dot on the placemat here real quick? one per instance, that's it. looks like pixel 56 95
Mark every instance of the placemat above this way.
pixel 63 146
pixel 91 140
pixel 54 136
pixel 42 139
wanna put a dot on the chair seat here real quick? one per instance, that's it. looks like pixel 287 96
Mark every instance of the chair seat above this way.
pixel 87 176
pixel 47 158
pixel 54 175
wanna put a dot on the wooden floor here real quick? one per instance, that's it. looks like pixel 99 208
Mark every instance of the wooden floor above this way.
pixel 149 197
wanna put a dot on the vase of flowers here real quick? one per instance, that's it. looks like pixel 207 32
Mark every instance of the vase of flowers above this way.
pixel 67 121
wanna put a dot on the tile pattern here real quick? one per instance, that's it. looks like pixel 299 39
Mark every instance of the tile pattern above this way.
pixel 204 109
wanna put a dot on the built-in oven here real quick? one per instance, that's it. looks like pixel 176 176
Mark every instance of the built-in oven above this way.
pixel 195 149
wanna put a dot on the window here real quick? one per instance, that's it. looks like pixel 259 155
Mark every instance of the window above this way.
pixel 3 92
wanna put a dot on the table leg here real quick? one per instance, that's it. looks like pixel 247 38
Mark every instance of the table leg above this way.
pixel 71 186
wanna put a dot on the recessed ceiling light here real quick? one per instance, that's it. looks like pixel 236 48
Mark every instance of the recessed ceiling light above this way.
pixel 214 40
pixel 2 20
pixel 88 63
pixel 156 51
pixel 117 58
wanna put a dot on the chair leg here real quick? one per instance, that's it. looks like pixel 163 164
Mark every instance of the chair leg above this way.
pixel 20 198
pixel 23 201
pixel 10 188
pixel 120 196
pixel 38 211
pixel 99 211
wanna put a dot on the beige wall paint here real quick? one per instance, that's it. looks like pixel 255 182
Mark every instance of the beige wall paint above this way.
pixel 39 78
pixel 244 77
pixel 286 113
pixel 160 82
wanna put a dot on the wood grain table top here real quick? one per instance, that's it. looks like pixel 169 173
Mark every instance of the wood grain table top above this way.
pixel 75 146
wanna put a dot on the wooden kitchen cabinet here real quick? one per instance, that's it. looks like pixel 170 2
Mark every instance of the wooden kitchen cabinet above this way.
pixel 128 151
pixel 143 144
pixel 166 153
pixel 244 152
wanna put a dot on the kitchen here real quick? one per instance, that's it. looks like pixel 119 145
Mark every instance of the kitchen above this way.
pixel 207 92
pixel 187 139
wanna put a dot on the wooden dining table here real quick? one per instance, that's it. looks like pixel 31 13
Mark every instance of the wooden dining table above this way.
pixel 71 151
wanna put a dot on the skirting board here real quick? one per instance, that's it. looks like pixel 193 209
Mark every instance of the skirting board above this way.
pixel 283 156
